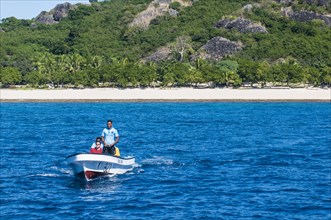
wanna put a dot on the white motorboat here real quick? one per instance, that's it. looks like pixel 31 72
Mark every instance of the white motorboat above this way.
pixel 90 166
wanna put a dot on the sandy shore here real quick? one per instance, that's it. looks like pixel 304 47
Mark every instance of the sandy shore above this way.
pixel 175 94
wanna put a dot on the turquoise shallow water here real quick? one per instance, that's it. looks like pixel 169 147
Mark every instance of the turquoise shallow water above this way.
pixel 195 161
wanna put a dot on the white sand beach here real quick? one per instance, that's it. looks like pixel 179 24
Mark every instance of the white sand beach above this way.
pixel 173 94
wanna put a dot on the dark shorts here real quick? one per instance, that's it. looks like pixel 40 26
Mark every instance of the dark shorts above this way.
pixel 109 150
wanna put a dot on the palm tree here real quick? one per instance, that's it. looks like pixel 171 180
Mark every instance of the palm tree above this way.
pixel 95 62
pixel 46 65
pixel 75 62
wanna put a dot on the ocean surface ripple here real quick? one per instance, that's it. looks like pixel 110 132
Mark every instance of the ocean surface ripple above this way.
pixel 194 161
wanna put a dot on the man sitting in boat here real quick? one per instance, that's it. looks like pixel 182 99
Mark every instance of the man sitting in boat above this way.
pixel 97 149
pixel 109 137
pixel 97 139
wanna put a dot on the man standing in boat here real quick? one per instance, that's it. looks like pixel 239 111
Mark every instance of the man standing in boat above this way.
pixel 109 137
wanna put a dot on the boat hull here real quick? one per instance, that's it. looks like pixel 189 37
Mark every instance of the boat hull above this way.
pixel 90 166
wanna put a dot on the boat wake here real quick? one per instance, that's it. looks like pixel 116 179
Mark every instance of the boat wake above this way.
pixel 61 170
pixel 160 161
pixel 44 175
pixel 157 160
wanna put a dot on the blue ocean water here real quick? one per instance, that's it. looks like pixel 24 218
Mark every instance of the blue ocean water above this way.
pixel 194 161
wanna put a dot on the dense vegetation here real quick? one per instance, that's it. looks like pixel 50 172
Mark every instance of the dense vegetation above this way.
pixel 96 46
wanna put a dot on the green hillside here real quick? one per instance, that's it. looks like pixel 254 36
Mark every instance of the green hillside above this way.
pixel 99 45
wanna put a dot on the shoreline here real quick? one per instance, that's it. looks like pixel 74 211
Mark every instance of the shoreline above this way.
pixel 167 95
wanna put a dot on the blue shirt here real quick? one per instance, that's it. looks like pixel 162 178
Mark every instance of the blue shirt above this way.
pixel 109 135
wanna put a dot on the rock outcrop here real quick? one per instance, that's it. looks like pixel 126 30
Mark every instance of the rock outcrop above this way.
pixel 163 53
pixel 62 10
pixel 305 16
pixel 241 25
pixel 284 1
pixel 156 8
pixel 45 18
pixel 217 48
pixel 318 2
pixel 309 2
pixel 55 15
